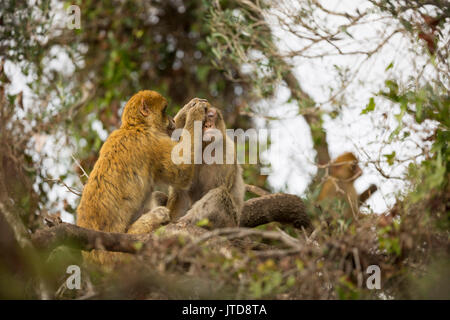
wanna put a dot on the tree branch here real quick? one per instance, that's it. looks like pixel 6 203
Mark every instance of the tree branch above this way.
pixel 278 207
pixel 256 190
pixel 367 193
pixel 86 239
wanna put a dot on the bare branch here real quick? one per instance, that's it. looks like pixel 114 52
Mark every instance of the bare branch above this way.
pixel 70 189
pixel 256 190
pixel 86 239
pixel 279 207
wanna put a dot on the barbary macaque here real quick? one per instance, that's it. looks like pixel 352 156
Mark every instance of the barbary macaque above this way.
pixel 217 189
pixel 344 170
pixel 133 160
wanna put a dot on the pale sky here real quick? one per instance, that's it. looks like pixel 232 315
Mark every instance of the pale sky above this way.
pixel 365 135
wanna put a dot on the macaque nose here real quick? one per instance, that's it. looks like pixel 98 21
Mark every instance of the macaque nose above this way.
pixel 211 113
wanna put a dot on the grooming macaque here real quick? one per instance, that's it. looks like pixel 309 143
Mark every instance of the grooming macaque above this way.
pixel 135 158
pixel 217 189
pixel 339 184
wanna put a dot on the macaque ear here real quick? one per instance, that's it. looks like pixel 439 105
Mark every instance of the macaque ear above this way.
pixel 144 108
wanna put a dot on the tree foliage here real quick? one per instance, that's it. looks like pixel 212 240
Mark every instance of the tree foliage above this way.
pixel 74 83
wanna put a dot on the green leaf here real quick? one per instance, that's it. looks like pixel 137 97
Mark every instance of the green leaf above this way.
pixel 202 72
pixel 370 106
pixel 138 245
pixel 390 158
pixel 290 281
pixel 389 66
pixel 203 222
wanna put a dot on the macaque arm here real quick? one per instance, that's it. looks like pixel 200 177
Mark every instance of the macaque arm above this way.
pixel 150 221
pixel 180 118
pixel 178 175
pixel 178 203
pixel 167 171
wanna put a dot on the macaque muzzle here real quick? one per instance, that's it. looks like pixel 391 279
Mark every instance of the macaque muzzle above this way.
pixel 170 126
pixel 209 126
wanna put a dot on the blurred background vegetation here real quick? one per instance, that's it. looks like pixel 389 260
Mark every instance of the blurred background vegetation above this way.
pixel 62 91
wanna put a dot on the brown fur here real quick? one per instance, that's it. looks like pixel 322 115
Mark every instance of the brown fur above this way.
pixel 217 190
pixel 339 185
pixel 132 160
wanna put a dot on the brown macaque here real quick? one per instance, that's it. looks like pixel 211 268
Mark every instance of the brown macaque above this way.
pixel 344 170
pixel 217 189
pixel 133 160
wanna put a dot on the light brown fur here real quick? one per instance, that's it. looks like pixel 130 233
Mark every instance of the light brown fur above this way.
pixel 217 190
pixel 132 160
pixel 344 170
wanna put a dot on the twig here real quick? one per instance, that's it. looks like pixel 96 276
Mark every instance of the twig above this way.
pixel 256 190
pixel 70 189
pixel 79 166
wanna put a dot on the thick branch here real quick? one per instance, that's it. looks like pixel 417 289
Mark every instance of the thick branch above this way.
pixel 86 239
pixel 17 226
pixel 278 207
pixel 314 121
pixel 285 208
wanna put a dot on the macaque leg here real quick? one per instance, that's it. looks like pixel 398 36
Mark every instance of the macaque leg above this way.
pixel 216 206
pixel 157 199
pixel 156 215
pixel 150 221
pixel 178 203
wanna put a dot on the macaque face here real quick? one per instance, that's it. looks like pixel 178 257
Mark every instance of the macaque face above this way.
pixel 352 171
pixel 346 168
pixel 213 126
pixel 209 124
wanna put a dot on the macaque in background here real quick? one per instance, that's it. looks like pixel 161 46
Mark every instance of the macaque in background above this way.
pixel 339 185
pixel 134 158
